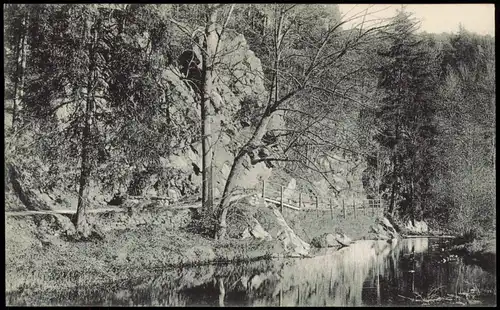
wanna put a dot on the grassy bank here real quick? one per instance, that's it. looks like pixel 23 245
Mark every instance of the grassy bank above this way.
pixel 39 263
pixel 481 249
pixel 59 263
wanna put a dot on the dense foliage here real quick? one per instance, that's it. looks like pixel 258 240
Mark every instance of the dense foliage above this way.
pixel 94 95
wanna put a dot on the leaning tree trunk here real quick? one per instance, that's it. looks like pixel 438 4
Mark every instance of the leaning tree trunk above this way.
pixel 237 170
pixel 210 44
pixel 86 167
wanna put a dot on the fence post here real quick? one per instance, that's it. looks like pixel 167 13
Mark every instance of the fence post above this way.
pixel 380 206
pixel 331 208
pixel 317 210
pixel 263 188
pixel 373 208
pixel 343 207
pixel 300 200
pixel 354 207
pixel 281 200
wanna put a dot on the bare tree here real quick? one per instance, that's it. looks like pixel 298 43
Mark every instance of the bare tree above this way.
pixel 292 74
pixel 206 46
pixel 324 53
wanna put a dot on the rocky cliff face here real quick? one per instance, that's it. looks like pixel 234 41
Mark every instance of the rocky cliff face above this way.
pixel 345 175
pixel 238 97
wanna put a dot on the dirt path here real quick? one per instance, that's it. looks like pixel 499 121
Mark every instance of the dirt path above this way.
pixel 100 210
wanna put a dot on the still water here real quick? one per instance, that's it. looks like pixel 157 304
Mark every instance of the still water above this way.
pixel 367 273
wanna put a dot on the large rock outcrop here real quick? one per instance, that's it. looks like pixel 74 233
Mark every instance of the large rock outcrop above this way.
pixel 416 227
pixel 254 218
pixel 326 240
pixel 238 96
pixel 382 229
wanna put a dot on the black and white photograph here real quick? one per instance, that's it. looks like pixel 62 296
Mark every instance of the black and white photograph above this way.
pixel 250 154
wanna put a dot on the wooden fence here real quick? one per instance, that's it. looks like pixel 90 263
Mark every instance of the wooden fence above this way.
pixel 371 207
pixel 319 204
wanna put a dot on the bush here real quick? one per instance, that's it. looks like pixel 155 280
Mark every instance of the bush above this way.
pixel 203 223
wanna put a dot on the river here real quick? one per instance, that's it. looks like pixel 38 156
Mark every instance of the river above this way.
pixel 367 273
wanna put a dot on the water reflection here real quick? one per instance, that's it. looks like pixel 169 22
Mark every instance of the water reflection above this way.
pixel 365 273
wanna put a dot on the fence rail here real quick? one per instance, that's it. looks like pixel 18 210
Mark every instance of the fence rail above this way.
pixel 318 204
pixel 374 206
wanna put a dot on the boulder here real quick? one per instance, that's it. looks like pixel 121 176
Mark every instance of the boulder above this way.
pixel 374 229
pixel 421 227
pixel 343 239
pixel 425 227
pixel 65 224
pixel 371 236
pixel 324 241
pixel 291 242
pixel 180 162
pixel 409 226
pixel 379 232
pixel 417 226
pixel 381 228
pixel 256 281
pixel 173 194
pixel 246 234
pixel 259 233
pixel 388 224
pixel 243 282
pixel 383 236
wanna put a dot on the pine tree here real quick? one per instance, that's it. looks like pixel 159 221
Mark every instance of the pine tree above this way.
pixel 408 83
pixel 86 59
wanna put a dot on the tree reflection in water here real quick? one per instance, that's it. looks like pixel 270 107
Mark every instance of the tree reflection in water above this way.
pixel 222 291
pixel 365 273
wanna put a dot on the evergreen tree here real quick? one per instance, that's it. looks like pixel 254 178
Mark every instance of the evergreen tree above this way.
pixel 406 115
pixel 466 185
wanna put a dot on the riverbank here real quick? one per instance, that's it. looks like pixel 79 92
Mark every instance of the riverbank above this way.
pixel 481 250
pixel 347 277
pixel 40 260
pixel 39 266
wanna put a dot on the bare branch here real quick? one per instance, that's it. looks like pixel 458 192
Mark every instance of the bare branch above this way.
pixel 323 44
pixel 219 37
pixel 316 169
pixel 269 159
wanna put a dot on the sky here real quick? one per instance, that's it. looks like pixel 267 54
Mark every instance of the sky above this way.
pixel 435 18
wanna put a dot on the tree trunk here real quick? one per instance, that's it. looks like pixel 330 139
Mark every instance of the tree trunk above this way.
pixel 16 83
pixel 396 169
pixel 393 187
pixel 207 110
pixel 20 68
pixel 412 204
pixel 237 169
pixel 85 169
